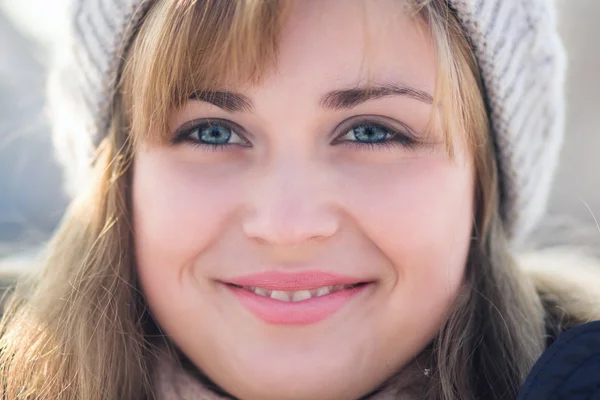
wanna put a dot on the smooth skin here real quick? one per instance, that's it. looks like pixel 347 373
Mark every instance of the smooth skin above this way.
pixel 303 179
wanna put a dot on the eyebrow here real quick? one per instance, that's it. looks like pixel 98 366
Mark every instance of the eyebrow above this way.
pixel 228 101
pixel 337 99
pixel 349 98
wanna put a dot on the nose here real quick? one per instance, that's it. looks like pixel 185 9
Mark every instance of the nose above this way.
pixel 291 204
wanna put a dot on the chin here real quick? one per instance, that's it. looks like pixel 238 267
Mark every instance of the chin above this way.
pixel 318 379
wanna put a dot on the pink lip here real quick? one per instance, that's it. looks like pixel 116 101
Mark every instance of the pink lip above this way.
pixel 304 312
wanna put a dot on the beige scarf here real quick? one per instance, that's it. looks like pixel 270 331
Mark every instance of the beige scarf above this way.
pixel 174 383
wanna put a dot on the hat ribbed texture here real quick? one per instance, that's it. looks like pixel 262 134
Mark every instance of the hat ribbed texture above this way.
pixel 516 43
pixel 83 81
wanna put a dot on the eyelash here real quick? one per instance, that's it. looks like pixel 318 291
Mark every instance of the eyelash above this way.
pixel 395 137
pixel 183 134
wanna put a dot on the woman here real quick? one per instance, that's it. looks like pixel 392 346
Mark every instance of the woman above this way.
pixel 297 200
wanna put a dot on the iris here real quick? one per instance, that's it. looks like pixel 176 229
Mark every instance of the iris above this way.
pixel 214 134
pixel 369 133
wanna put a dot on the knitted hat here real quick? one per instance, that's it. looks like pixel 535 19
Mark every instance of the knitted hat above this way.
pixel 516 43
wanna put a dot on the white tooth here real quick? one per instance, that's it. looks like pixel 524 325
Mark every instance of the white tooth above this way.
pixel 301 295
pixel 322 291
pixel 261 292
pixel 280 295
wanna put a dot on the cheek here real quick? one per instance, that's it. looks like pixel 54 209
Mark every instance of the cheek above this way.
pixel 175 215
pixel 179 211
pixel 423 208
pixel 420 216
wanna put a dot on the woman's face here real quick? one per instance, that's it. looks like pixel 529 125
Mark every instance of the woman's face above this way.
pixel 304 238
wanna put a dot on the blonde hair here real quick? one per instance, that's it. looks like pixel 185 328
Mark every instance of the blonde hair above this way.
pixel 81 330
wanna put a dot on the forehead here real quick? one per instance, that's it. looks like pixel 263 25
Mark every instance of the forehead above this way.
pixel 306 48
pixel 344 43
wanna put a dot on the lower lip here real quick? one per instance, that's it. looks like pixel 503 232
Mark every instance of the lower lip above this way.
pixel 305 312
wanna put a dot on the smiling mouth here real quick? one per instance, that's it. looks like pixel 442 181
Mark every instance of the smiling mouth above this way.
pixel 288 296
pixel 299 298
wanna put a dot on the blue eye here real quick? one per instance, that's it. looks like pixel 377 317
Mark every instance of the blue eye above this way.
pixel 375 134
pixel 368 134
pixel 215 134
pixel 210 133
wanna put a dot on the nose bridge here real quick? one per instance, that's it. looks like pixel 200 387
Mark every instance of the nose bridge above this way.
pixel 290 203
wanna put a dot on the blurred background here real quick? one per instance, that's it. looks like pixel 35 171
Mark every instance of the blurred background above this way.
pixel 31 197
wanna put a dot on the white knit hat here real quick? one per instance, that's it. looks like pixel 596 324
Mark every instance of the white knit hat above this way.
pixel 516 43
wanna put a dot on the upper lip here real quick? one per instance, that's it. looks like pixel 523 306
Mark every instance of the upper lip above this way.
pixel 294 281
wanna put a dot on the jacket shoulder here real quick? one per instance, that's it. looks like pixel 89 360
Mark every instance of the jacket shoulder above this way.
pixel 569 368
